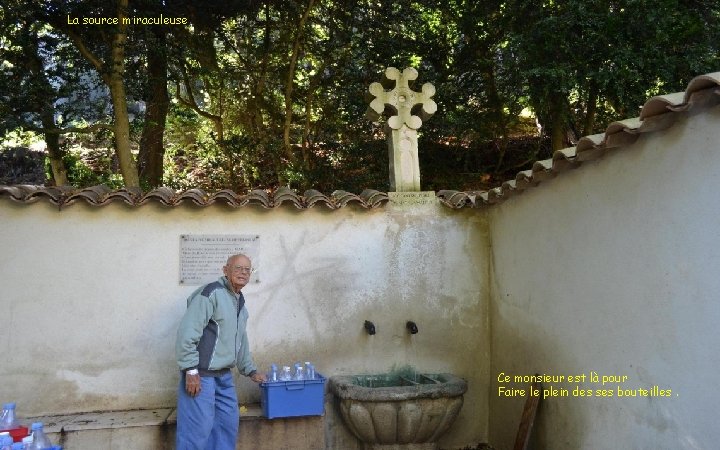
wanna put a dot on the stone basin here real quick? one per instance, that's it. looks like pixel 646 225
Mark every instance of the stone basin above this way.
pixel 399 412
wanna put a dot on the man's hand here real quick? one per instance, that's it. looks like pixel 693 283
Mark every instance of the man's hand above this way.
pixel 258 377
pixel 192 384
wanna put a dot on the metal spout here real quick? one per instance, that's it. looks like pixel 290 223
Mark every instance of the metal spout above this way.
pixel 369 327
pixel 412 327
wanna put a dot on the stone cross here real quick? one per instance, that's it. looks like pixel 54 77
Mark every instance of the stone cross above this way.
pixel 408 109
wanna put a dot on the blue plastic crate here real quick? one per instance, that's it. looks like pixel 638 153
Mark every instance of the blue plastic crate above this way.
pixel 293 398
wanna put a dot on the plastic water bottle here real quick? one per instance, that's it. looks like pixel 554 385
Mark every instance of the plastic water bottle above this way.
pixel 299 372
pixel 8 421
pixel 27 442
pixel 39 440
pixel 273 375
pixel 6 442
pixel 286 375
pixel 309 370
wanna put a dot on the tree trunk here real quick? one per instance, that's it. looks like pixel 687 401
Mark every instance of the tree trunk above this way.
pixel 557 121
pixel 290 81
pixel 256 119
pixel 47 112
pixel 55 153
pixel 589 122
pixel 152 150
pixel 128 169
pixel 497 110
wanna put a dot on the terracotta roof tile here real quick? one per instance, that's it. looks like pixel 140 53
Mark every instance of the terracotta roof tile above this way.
pixel 102 195
pixel 455 199
pixel 661 104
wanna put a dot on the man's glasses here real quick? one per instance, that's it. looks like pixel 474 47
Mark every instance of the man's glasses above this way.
pixel 241 269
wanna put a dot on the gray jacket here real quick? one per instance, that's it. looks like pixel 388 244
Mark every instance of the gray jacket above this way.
pixel 212 334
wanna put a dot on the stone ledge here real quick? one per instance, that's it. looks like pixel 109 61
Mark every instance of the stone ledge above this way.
pixel 100 420
pixel 103 420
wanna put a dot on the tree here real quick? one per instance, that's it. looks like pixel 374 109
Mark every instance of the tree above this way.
pixel 155 96
pixel 258 94
pixel 32 108
pixel 582 59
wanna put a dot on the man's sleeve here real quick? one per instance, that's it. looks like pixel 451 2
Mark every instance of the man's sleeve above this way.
pixel 245 363
pixel 197 316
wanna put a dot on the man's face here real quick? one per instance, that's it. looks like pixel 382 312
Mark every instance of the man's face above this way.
pixel 237 272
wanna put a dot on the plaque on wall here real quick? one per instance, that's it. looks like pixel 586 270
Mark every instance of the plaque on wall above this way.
pixel 202 256
pixel 412 199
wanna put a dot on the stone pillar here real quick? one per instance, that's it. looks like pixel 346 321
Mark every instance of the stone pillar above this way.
pixel 408 109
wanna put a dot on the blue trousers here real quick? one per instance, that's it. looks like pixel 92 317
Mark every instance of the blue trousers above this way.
pixel 210 420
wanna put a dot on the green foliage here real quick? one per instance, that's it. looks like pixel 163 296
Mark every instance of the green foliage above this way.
pixel 579 55
pixel 89 168
pixel 244 75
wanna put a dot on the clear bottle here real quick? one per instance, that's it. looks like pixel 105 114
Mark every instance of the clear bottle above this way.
pixel 6 442
pixel 39 440
pixel 8 420
pixel 286 375
pixel 273 375
pixel 27 442
pixel 299 372
pixel 309 370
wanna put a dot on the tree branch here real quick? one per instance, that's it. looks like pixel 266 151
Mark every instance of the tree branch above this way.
pixel 190 101
pixel 87 53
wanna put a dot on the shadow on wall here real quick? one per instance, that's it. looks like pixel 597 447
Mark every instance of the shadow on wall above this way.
pixel 514 354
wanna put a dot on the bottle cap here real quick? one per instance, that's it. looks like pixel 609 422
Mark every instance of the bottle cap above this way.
pixel 10 405
pixel 36 426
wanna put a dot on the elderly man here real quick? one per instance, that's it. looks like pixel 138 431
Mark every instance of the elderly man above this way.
pixel 211 340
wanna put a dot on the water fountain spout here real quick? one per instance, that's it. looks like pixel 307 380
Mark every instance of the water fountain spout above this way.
pixel 411 326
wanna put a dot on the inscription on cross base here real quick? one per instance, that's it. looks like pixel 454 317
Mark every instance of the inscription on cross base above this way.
pixel 401 127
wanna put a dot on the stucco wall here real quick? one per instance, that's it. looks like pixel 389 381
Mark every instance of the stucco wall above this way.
pixel 613 268
pixel 90 299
